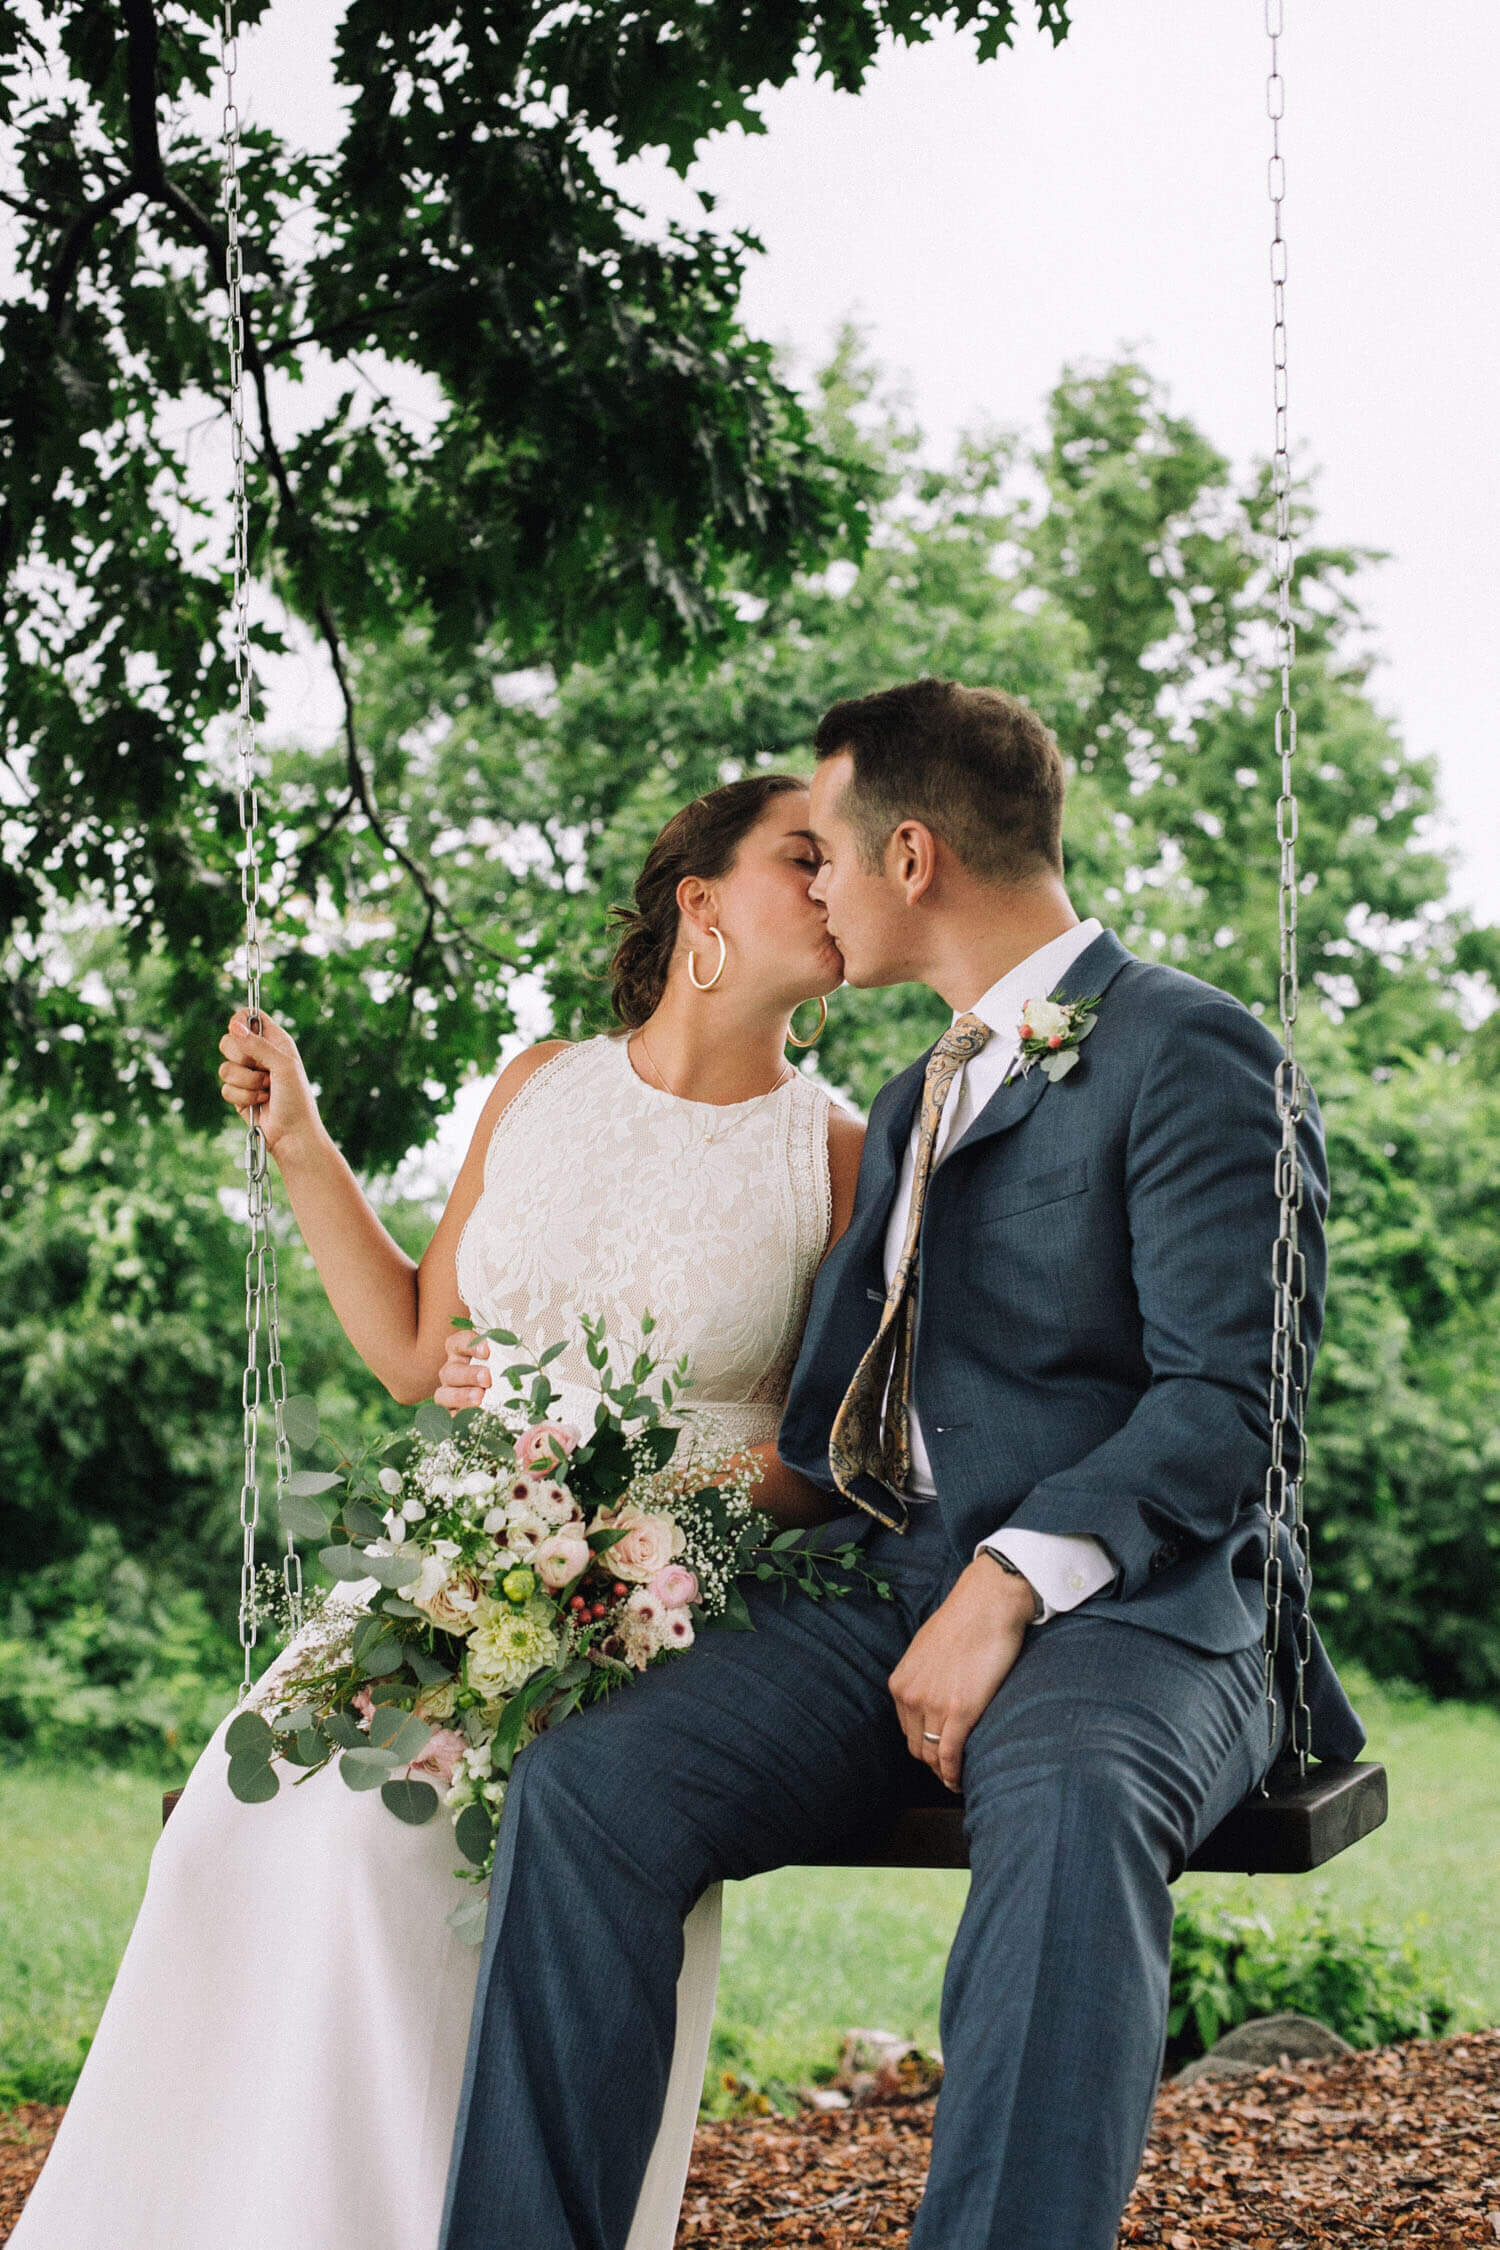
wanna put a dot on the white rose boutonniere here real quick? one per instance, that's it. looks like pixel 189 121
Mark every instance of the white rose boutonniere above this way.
pixel 1051 1032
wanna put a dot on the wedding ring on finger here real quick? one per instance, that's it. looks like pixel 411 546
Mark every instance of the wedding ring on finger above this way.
pixel 926 1737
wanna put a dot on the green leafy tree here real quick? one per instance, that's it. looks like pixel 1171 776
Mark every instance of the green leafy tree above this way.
pixel 122 1263
pixel 1112 576
pixel 599 453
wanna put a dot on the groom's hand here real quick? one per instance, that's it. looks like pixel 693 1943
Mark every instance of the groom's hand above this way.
pixel 956 1661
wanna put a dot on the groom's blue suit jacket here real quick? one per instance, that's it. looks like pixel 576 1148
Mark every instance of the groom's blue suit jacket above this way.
pixel 1092 1349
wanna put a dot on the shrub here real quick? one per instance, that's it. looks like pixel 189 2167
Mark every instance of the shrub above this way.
pixel 1369 1987
pixel 98 1662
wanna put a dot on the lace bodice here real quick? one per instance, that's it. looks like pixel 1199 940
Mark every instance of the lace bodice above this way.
pixel 605 1195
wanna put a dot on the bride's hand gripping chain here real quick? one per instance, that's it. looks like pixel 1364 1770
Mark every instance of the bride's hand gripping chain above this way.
pixel 263 1071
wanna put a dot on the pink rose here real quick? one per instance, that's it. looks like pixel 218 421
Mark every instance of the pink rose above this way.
pixel 676 1586
pixel 364 1704
pixel 560 1557
pixel 439 1761
pixel 546 1445
pixel 649 1543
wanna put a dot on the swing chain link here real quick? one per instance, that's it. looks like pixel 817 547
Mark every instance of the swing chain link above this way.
pixel 262 1307
pixel 1284 1477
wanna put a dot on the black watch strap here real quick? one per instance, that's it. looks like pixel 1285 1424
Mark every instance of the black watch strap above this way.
pixel 1038 1605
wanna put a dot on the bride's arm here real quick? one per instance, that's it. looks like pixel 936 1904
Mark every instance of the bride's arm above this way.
pixel 396 1313
pixel 793 1499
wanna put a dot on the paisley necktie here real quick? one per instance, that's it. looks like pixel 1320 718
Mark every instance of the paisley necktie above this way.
pixel 861 1440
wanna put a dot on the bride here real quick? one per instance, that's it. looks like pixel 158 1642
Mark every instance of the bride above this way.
pixel 279 2063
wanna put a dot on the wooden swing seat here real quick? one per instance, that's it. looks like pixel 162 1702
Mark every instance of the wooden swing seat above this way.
pixel 1298 1826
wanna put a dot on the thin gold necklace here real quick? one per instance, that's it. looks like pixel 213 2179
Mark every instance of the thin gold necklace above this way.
pixel 713 1132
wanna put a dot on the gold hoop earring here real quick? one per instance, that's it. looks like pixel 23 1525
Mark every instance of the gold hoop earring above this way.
pixel 719 971
pixel 791 1037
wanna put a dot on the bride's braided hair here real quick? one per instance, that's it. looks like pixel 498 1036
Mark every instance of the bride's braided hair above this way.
pixel 702 839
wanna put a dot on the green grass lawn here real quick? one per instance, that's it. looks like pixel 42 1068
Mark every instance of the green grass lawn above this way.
pixel 807 1952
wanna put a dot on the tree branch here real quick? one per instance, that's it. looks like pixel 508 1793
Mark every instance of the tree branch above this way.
pixel 147 176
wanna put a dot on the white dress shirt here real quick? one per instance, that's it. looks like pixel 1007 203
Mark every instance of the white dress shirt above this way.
pixel 1064 1568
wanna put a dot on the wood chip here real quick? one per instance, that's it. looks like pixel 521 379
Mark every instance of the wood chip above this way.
pixel 1400 2146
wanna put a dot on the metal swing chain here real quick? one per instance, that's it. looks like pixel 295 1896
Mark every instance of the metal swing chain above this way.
pixel 261 1304
pixel 1284 1476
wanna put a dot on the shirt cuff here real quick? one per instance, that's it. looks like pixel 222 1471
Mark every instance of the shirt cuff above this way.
pixel 1063 1567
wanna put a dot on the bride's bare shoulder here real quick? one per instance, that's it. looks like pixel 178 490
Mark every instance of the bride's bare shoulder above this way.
pixel 846 1140
pixel 514 1076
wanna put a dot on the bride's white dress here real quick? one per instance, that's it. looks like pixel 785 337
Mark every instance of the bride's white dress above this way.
pixel 279 2063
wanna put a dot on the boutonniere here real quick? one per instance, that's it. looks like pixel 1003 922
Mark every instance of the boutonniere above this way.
pixel 1052 1032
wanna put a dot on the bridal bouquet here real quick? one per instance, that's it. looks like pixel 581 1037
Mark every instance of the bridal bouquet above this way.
pixel 518 1568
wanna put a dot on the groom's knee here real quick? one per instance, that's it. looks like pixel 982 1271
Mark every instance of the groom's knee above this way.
pixel 595 1796
pixel 1071 1784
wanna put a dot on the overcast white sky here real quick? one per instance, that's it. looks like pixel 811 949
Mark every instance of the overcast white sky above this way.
pixel 988 223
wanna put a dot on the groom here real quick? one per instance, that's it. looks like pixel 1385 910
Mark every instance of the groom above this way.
pixel 1033 1382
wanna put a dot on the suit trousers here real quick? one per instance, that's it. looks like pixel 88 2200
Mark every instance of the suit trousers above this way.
pixel 1107 1754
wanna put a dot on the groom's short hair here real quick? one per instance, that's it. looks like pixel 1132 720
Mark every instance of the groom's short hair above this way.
pixel 974 764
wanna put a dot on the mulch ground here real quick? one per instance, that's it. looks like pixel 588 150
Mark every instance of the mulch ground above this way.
pixel 1396 2147
pixel 1400 2147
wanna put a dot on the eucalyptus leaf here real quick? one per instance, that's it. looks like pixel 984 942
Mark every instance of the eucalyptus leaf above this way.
pixel 253 1781
pixel 299 1418
pixel 342 1727
pixel 247 1732
pixel 345 1563
pixel 390 1570
pixel 411 1801
pixel 382 1659
pixel 398 1732
pixel 431 1422
pixel 362 1771
pixel 425 1667
pixel 473 1832
pixel 396 1605
pixel 309 1749
pixel 304 1519
pixel 468 1919
pixel 305 1482
pixel 366 1632
pixel 361 1521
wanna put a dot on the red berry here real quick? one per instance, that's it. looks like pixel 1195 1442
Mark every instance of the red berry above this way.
pixel 578 1602
pixel 1055 1040
pixel 619 1591
pixel 599 1608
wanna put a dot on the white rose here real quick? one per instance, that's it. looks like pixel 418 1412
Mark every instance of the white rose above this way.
pixel 1040 1019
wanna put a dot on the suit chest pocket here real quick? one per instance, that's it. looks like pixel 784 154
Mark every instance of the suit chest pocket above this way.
pixel 1010 1199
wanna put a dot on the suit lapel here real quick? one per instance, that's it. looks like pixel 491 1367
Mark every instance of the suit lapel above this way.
pixel 1016 1097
